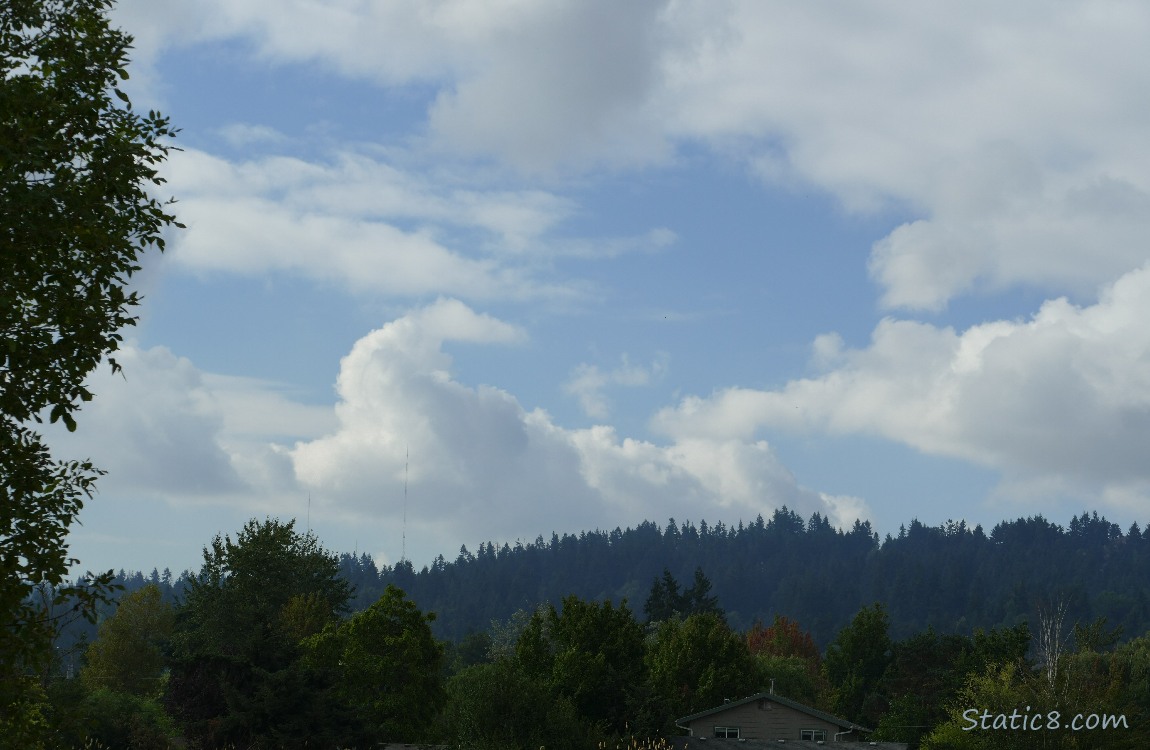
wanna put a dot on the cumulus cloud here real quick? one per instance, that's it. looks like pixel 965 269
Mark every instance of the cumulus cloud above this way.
pixel 1011 136
pixel 1061 400
pixel 481 466
pixel 155 428
pixel 1007 132
pixel 165 429
pixel 588 383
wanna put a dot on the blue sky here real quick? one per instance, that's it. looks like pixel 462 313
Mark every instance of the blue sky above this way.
pixel 590 263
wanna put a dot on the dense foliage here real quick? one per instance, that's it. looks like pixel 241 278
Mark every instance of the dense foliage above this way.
pixel 76 167
pixel 263 654
pixel 385 666
pixel 237 674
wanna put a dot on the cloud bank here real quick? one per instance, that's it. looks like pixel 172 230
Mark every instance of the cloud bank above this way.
pixel 481 465
pixel 478 466
pixel 1059 403
pixel 1012 135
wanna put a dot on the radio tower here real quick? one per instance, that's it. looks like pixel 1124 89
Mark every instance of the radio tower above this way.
pixel 403 543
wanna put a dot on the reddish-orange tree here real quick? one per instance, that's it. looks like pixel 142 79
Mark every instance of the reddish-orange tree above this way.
pixel 788 661
pixel 783 638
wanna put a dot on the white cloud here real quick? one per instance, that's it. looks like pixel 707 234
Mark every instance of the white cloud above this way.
pixel 588 382
pixel 483 467
pixel 559 83
pixel 241 134
pixel 1009 130
pixel 165 429
pixel 1014 134
pixel 533 83
pixel 153 429
pixel 362 223
pixel 359 223
pixel 479 466
pixel 1059 401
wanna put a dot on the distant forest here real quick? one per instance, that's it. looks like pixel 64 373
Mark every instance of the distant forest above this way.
pixel 951 578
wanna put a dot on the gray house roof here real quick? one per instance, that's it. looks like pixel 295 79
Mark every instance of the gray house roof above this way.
pixel 782 702
pixel 702 743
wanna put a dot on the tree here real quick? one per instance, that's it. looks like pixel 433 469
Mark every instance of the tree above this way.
pixel 698 597
pixel 665 600
pixel 122 720
pixel 236 674
pixel 591 654
pixel 76 167
pixel 788 660
pixel 925 674
pixel 784 637
pixel 127 654
pixel 855 662
pixel 498 706
pixel 1095 636
pixel 386 666
pixel 696 664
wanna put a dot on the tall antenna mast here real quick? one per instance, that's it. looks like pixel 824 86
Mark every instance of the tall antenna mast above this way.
pixel 403 548
pixel 309 513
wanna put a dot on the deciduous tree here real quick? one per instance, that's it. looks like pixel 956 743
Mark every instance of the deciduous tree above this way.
pixel 127 655
pixel 236 675
pixel 697 663
pixel 590 653
pixel 856 660
pixel 498 706
pixel 77 171
pixel 386 666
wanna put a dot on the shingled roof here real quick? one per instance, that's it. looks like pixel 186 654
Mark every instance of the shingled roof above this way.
pixel 822 715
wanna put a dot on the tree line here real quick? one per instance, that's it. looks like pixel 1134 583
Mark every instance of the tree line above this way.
pixel 263 648
pixel 952 578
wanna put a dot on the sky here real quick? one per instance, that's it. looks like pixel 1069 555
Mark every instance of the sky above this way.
pixel 459 271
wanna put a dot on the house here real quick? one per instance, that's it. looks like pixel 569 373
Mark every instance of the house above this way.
pixel 767 717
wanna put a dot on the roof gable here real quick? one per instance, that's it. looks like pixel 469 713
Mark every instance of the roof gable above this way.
pixel 822 715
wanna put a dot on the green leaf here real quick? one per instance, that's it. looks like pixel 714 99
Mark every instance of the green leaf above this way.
pixel 76 213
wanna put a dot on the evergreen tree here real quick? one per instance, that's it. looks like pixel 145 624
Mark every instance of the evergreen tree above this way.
pixel 665 601
pixel 697 599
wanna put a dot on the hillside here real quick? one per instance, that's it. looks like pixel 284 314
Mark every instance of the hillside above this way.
pixel 951 578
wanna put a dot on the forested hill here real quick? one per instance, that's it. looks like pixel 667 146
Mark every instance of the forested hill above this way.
pixel 953 578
